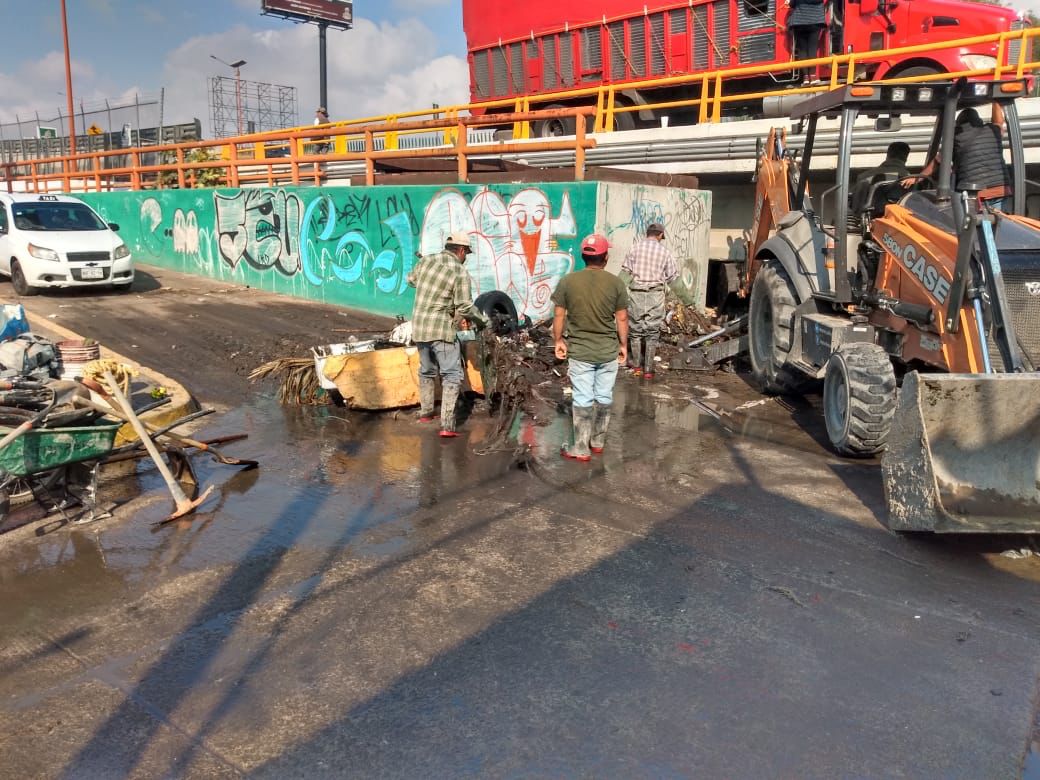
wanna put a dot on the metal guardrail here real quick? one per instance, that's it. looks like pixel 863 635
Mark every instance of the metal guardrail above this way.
pixel 466 130
pixel 309 153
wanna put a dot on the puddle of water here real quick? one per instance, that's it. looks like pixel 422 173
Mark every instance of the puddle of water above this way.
pixel 328 479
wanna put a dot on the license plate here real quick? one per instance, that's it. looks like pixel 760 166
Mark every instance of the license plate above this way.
pixel 92 273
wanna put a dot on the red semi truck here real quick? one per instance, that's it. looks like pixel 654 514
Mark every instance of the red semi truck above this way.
pixel 544 46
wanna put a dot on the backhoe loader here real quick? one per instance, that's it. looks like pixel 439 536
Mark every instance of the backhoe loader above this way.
pixel 915 302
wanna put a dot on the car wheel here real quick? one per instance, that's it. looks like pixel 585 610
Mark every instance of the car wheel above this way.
pixel 21 286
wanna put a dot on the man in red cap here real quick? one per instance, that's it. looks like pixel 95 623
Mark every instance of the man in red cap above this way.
pixel 593 305
pixel 650 268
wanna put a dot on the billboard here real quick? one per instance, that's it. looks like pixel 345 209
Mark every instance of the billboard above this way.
pixel 338 14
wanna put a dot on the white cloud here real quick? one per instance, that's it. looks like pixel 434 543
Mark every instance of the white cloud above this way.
pixel 372 69
pixel 39 86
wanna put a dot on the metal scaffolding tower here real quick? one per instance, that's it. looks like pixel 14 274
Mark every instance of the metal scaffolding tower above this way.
pixel 238 106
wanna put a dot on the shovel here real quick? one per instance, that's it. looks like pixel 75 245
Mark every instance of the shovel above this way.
pixel 185 505
pixel 182 440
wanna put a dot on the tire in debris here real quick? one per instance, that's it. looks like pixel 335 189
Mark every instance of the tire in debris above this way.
pixel 500 311
pixel 859 399
pixel 770 325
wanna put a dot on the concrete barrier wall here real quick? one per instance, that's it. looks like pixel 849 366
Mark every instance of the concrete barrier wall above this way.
pixel 625 210
pixel 354 246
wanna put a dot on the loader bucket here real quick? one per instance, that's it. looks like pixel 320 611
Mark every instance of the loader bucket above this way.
pixel 964 454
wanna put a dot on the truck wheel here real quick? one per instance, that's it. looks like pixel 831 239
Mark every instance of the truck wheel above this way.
pixel 859 399
pixel 18 282
pixel 554 128
pixel 770 323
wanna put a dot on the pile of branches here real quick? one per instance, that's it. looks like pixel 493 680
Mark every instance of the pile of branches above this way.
pixel 299 380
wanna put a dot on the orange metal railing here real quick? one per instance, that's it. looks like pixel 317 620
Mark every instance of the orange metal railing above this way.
pixel 238 164
pixel 253 158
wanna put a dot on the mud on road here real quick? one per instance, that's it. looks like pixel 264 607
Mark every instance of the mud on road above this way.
pixel 714 597
pixel 207 335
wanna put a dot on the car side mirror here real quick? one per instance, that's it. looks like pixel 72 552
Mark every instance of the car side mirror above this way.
pixel 113 226
pixel 888 124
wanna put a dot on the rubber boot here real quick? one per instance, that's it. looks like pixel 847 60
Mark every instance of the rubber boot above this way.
pixel 582 417
pixel 449 400
pixel 427 396
pixel 649 351
pixel 635 354
pixel 599 428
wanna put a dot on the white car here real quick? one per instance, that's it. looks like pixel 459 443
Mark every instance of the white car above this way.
pixel 59 241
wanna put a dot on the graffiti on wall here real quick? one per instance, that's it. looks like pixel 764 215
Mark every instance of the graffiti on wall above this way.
pixel 515 245
pixel 259 227
pixel 357 245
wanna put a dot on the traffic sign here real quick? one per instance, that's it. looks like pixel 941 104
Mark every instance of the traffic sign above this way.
pixel 94 130
pixel 46 132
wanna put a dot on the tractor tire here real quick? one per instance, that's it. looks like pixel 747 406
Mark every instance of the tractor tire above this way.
pixel 770 325
pixel 859 399
pixel 19 283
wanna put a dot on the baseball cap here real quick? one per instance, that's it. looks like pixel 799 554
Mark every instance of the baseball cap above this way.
pixel 655 227
pixel 594 244
pixel 460 239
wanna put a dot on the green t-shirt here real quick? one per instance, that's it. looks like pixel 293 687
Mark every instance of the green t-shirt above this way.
pixel 591 298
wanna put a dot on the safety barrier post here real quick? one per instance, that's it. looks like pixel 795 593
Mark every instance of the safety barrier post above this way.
pixel 716 101
pixel 460 148
pixel 579 147
pixel 233 165
pixel 390 138
pixel 180 167
pixel 525 126
pixel 96 160
pixel 135 173
pixel 599 121
pixel 702 114
pixel 1001 53
pixel 294 160
pixel 608 117
pixel 370 163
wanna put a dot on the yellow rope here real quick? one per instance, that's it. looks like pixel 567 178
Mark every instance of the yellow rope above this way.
pixel 120 371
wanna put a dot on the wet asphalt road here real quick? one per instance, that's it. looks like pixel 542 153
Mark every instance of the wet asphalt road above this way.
pixel 712 598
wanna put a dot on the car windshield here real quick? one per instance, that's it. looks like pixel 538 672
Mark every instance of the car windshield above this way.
pixel 55 216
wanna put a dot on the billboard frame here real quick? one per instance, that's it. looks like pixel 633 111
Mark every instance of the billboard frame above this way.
pixel 287 9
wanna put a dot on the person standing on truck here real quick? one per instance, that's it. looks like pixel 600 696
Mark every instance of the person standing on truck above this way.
pixel 650 267
pixel 442 293
pixel 978 157
pixel 806 22
pixel 592 305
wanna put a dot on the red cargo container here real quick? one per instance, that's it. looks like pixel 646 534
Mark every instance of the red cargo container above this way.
pixel 543 46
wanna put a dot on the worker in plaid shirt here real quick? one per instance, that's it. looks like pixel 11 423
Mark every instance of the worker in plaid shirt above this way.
pixel 649 268
pixel 442 293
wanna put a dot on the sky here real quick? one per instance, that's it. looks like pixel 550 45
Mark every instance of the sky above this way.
pixel 401 54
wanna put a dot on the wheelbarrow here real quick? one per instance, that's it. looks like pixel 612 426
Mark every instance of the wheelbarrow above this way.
pixel 57 467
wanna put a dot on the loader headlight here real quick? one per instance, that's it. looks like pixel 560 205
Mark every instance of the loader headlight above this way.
pixel 42 253
pixel 979 61
pixel 120 252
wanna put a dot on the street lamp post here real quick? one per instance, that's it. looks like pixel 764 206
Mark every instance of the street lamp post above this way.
pixel 236 66
pixel 68 80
